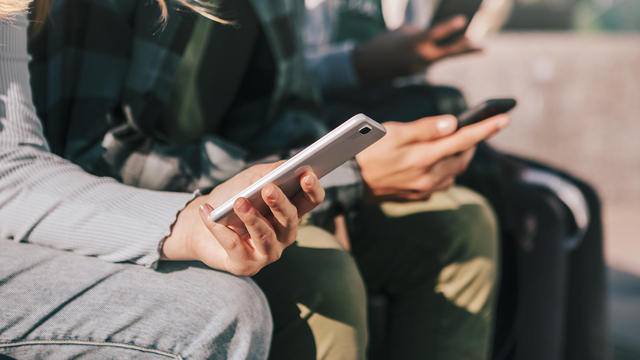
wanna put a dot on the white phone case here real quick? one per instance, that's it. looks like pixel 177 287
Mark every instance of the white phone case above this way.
pixel 323 156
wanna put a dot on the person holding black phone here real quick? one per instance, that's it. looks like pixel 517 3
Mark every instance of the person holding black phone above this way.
pixel 401 38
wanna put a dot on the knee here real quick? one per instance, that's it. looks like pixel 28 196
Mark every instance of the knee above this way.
pixel 458 223
pixel 330 270
pixel 238 320
pixel 476 232
pixel 460 228
pixel 337 317
pixel 324 295
pixel 215 314
pixel 468 276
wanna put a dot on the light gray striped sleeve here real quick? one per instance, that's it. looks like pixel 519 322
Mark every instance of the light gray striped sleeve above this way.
pixel 49 201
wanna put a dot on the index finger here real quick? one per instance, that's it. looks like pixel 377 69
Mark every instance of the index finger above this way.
pixel 262 234
pixel 426 129
pixel 230 241
pixel 469 136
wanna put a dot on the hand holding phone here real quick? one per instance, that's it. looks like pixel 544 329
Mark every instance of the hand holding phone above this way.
pixel 250 241
pixel 408 50
pixel 323 156
pixel 449 9
pixel 417 158
pixel 483 17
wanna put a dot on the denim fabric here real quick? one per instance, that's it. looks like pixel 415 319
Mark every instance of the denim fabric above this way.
pixel 58 305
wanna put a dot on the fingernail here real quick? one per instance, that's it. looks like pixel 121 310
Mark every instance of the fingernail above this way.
pixel 446 125
pixel 308 180
pixel 460 20
pixel 503 121
pixel 270 193
pixel 243 205
pixel 206 209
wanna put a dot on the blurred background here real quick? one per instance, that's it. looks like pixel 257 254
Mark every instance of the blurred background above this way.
pixel 574 65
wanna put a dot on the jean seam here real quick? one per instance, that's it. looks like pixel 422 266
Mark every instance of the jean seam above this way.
pixel 90 343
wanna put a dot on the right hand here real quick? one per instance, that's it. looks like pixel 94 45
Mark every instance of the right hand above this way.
pixel 409 50
pixel 252 241
pixel 419 158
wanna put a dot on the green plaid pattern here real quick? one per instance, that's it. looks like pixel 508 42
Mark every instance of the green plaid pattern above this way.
pixel 102 75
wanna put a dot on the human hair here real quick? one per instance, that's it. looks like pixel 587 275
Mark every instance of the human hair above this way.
pixel 204 8
pixel 9 8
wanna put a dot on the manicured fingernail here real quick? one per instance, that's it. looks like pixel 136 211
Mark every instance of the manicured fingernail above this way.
pixel 206 209
pixel 308 180
pixel 460 21
pixel 270 193
pixel 503 121
pixel 243 205
pixel 446 125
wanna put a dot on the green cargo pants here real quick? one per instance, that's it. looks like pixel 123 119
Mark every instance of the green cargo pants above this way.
pixel 436 260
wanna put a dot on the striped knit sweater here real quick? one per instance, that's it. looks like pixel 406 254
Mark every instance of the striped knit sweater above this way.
pixel 49 201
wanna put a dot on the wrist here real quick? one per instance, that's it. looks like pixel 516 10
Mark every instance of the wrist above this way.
pixel 367 193
pixel 178 245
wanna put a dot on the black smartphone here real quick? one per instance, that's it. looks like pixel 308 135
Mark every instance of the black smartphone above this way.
pixel 485 110
pixel 450 8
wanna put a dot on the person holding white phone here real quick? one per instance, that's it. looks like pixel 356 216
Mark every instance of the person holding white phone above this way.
pixel 74 247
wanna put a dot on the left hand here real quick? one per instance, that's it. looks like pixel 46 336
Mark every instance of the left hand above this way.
pixel 247 242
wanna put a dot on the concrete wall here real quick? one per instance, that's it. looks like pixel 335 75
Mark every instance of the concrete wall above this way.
pixel 579 109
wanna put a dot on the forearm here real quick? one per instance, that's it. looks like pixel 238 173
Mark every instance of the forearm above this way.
pixel 50 202
pixel 46 200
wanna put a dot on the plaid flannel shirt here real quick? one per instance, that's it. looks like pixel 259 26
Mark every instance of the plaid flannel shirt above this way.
pixel 102 74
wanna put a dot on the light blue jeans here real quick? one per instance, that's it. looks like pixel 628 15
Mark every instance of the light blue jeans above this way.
pixel 435 260
pixel 58 305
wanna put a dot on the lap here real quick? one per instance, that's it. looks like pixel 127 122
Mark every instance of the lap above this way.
pixel 317 298
pixel 402 245
pixel 53 299
pixel 441 250
pixel 435 261
pixel 315 291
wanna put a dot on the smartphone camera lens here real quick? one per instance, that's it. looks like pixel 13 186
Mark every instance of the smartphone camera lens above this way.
pixel 365 130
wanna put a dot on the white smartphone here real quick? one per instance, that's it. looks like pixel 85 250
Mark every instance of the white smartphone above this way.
pixel 323 156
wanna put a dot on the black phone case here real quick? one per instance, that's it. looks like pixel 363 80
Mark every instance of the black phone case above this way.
pixel 450 8
pixel 485 110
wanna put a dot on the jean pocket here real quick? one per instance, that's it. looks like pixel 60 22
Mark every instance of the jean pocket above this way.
pixel 63 349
